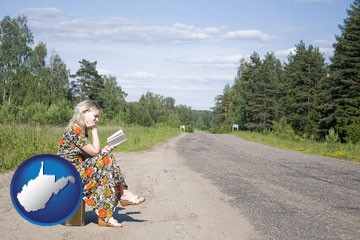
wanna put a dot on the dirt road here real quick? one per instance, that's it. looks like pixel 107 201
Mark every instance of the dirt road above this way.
pixel 181 204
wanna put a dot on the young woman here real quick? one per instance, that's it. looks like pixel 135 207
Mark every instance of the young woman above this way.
pixel 104 184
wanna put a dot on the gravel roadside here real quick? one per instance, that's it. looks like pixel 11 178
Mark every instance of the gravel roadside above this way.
pixel 181 204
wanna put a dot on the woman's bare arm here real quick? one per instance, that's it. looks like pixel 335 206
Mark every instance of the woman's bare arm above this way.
pixel 93 149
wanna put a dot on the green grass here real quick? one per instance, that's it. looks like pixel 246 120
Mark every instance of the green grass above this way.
pixel 337 150
pixel 19 142
pixel 139 138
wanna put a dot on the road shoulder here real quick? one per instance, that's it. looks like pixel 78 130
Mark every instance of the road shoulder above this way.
pixel 180 204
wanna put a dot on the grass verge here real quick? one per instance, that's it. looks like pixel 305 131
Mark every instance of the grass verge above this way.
pixel 337 150
pixel 20 142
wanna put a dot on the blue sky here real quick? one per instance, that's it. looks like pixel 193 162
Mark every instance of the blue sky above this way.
pixel 185 49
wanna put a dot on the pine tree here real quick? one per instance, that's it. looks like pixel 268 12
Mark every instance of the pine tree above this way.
pixel 221 108
pixel 303 73
pixel 255 95
pixel 88 83
pixel 243 105
pixel 268 91
pixel 342 106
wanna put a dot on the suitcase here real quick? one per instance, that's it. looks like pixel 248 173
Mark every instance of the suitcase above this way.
pixel 78 219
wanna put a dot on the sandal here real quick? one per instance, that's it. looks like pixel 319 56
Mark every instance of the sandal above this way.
pixel 136 200
pixel 112 223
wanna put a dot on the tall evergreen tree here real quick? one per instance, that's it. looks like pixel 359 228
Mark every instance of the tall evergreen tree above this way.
pixel 221 108
pixel 341 107
pixel 256 93
pixel 249 80
pixel 268 92
pixel 303 73
pixel 88 83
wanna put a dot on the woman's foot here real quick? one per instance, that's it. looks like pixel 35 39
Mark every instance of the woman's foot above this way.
pixel 128 198
pixel 111 223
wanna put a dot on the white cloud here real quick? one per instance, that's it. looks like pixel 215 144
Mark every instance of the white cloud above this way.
pixel 146 80
pixel 104 71
pixel 41 12
pixel 139 75
pixel 197 91
pixel 285 52
pixel 327 51
pixel 325 47
pixel 250 35
pixel 224 61
pixel 119 29
pixel 322 42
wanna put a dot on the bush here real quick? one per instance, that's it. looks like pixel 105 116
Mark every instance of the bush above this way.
pixel 7 113
pixel 353 133
pixel 225 128
pixel 332 136
pixel 189 129
pixel 283 129
pixel 58 114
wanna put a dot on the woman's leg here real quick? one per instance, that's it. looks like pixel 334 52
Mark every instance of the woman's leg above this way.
pixel 125 196
pixel 99 187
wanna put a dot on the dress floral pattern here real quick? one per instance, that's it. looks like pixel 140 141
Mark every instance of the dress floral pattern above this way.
pixel 101 176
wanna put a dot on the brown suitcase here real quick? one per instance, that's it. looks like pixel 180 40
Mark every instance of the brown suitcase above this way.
pixel 78 219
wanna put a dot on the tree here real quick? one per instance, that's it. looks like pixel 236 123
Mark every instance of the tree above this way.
pixel 39 78
pixel 221 109
pixel 184 114
pixel 15 51
pixel 255 95
pixel 57 84
pixel 303 73
pixel 248 99
pixel 88 83
pixel 113 98
pixel 136 113
pixel 202 119
pixel 267 93
pixel 341 107
pixel 153 103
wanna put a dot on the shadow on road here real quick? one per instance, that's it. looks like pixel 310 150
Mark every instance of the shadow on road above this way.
pixel 91 217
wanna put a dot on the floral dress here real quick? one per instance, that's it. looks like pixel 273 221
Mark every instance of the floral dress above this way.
pixel 101 176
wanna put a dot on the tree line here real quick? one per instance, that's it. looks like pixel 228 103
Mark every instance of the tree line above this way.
pixel 40 89
pixel 305 93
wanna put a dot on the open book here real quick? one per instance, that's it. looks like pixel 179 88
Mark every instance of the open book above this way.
pixel 116 139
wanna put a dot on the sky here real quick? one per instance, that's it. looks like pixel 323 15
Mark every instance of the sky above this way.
pixel 184 49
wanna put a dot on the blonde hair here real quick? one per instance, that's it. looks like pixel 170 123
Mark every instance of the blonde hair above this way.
pixel 77 119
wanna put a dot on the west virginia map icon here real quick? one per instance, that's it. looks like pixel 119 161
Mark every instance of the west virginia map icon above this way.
pixel 46 189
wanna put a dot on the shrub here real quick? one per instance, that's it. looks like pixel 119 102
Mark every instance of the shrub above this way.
pixel 189 129
pixel 353 133
pixel 58 114
pixel 332 136
pixel 283 129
